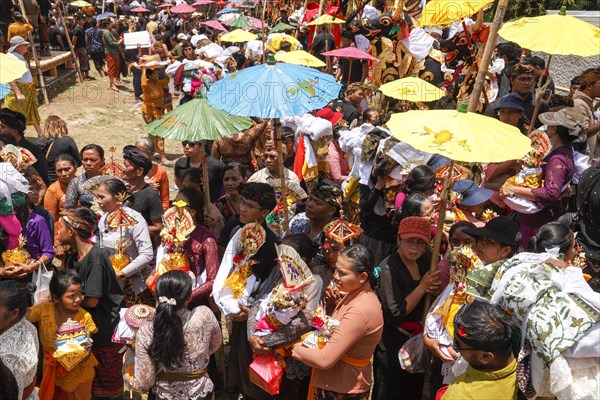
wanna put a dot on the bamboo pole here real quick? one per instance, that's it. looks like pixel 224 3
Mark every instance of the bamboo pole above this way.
pixel 205 183
pixel 487 54
pixel 540 94
pixel 286 222
pixel 38 67
pixel 473 103
pixel 73 55
pixel 262 29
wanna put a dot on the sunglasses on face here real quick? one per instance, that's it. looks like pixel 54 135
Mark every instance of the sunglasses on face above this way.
pixel 187 143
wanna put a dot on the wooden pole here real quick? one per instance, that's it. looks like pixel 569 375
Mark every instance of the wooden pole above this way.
pixel 73 55
pixel 103 5
pixel 262 28
pixel 38 67
pixel 539 95
pixel 487 54
pixel 286 222
pixel 205 183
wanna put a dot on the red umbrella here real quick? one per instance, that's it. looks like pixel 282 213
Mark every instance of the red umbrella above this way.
pixel 202 3
pixel 183 9
pixel 166 5
pixel 140 10
pixel 221 3
pixel 215 25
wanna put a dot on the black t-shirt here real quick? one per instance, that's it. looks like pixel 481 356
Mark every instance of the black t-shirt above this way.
pixel 6 7
pixel 345 107
pixel 54 34
pixel 99 280
pixel 40 164
pixel 356 73
pixel 64 145
pixel 80 35
pixel 215 174
pixel 322 43
pixel 148 203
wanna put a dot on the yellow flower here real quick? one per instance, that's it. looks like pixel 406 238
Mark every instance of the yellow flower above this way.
pixel 443 136
pixel 180 204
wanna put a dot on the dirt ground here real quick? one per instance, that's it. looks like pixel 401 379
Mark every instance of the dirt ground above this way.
pixel 96 114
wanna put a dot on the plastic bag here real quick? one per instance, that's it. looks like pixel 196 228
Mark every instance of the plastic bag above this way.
pixel 266 373
pixel 414 356
pixel 41 278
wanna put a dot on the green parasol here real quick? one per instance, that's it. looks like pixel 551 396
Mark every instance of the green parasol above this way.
pixel 240 22
pixel 281 27
pixel 196 121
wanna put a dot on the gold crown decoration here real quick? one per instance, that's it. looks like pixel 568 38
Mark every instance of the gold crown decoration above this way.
pixel 17 255
pixel 341 231
pixel 113 168
pixel 73 344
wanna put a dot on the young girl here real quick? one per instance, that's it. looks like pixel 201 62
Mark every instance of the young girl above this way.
pixel 58 383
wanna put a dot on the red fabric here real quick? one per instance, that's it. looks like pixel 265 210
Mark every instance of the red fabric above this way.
pixel 53 369
pixel 178 79
pixel 299 160
pixel 413 327
pixel 440 393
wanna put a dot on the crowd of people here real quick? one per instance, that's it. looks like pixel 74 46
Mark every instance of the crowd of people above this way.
pixel 112 281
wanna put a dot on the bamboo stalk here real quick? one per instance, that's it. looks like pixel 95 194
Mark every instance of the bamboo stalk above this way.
pixel 38 67
pixel 73 55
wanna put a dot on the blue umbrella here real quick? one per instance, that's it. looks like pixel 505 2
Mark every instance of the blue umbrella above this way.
pixel 4 90
pixel 105 15
pixel 273 90
pixel 227 10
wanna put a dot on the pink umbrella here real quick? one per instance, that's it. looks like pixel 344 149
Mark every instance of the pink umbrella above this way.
pixel 215 25
pixel 350 52
pixel 256 23
pixel 140 10
pixel 183 9
pixel 202 3
pixel 165 5
pixel 233 4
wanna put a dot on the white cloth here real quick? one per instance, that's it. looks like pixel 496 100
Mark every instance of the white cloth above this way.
pixel 418 43
pixel 196 38
pixel 211 50
pixel 222 294
pixel 254 48
pixel 139 252
pixel 11 181
pixel 19 352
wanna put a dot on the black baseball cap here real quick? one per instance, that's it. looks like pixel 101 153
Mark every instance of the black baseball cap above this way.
pixel 501 229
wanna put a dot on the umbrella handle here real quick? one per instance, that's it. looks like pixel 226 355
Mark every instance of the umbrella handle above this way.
pixel 286 222
pixel 205 184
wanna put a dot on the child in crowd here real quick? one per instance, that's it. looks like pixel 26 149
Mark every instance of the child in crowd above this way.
pixel 67 294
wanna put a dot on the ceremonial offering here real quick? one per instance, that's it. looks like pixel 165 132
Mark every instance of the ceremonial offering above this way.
pixel 178 224
pixel 324 325
pixel 488 215
pixel 16 255
pixel 236 288
pixel 288 298
pixel 530 175
pixel 112 167
pixel 19 157
pixel 73 344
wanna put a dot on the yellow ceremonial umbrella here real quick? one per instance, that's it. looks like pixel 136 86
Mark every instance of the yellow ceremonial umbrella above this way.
pixel 444 12
pixel 554 34
pixel 460 135
pixel 238 36
pixel 11 68
pixel 300 57
pixel 412 89
pixel 326 19
pixel 80 3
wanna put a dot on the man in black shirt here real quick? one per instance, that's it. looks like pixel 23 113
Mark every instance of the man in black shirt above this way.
pixel 79 45
pixel 57 41
pixel 193 159
pixel 322 42
pixel 360 68
pixel 147 201
pixel 350 106
pixel 13 123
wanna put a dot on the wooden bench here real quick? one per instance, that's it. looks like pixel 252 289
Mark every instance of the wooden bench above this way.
pixel 51 63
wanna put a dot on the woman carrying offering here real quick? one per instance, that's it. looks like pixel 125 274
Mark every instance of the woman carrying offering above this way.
pixel 342 368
